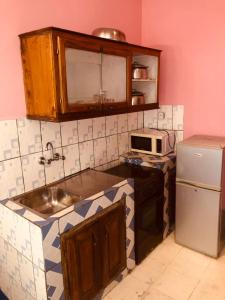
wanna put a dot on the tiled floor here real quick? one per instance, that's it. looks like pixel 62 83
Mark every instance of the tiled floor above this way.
pixel 172 272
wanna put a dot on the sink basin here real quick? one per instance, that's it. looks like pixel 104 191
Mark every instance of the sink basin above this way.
pixel 48 200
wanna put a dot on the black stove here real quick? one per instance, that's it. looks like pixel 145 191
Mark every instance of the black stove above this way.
pixel 148 191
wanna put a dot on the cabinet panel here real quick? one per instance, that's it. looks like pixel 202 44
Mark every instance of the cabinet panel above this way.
pixel 82 266
pixel 114 248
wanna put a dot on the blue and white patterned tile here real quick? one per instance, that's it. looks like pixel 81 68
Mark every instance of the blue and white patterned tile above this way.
pixel 122 123
pixel 130 232
pixel 33 172
pixel 69 132
pixel 151 118
pixel 140 119
pixel 99 126
pixel 69 221
pixel 36 246
pixel 85 130
pixel 112 147
pixel 11 179
pixel 111 125
pixel 40 284
pixel 178 117
pixel 132 121
pixel 29 136
pixel 55 170
pixel 51 244
pixel 123 143
pixel 165 117
pixel 50 133
pixel 26 274
pixel 100 152
pixel 86 154
pixel 8 140
pixel 72 161
pixel 55 287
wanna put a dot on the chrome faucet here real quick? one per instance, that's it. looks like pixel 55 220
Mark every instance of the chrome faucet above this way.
pixel 54 156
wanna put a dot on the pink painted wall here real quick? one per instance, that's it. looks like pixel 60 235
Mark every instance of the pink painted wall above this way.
pixel 79 15
pixel 192 35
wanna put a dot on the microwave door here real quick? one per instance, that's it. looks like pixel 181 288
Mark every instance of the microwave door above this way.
pixel 141 144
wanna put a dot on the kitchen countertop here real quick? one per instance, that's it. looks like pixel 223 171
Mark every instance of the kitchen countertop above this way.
pixel 88 184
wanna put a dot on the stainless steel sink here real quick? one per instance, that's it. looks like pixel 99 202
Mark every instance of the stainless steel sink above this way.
pixel 49 200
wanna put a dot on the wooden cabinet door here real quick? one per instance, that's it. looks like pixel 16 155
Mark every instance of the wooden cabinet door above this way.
pixel 114 242
pixel 81 262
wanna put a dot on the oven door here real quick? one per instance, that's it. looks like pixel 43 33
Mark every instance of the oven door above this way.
pixel 148 225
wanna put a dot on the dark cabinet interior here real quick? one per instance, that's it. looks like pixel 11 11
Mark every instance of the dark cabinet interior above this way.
pixel 93 253
pixel 69 75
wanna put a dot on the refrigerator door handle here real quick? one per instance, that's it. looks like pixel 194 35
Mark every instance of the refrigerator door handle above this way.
pixel 198 185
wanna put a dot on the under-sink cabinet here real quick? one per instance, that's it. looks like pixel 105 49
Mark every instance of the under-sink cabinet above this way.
pixel 94 252
pixel 69 75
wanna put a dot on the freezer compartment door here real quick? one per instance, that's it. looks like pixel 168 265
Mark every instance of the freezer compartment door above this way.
pixel 197 218
pixel 201 166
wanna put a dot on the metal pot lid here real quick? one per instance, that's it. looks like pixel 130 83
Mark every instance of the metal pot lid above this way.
pixel 137 65
pixel 137 93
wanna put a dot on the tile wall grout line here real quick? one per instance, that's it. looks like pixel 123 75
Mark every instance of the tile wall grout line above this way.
pixel 21 165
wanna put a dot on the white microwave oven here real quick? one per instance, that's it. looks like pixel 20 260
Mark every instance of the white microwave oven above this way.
pixel 152 141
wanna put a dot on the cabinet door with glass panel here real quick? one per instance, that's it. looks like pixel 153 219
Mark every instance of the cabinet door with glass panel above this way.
pixel 116 77
pixel 80 71
pixel 91 79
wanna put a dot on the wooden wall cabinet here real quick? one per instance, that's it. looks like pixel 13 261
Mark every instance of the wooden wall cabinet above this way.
pixel 93 253
pixel 69 75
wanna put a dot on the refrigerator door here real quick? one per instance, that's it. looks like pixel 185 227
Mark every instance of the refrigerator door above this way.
pixel 199 166
pixel 197 218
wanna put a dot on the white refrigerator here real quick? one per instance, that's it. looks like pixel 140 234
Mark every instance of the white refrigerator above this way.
pixel 200 194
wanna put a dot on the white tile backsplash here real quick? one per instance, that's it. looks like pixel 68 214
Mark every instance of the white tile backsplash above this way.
pixel 151 118
pixel 85 143
pixel 29 136
pixel 33 177
pixel 99 127
pixel 111 125
pixel 140 119
pixel 9 144
pixel 86 154
pixel 112 147
pixel 55 170
pixel 100 152
pixel 50 133
pixel 85 130
pixel 165 117
pixel 72 159
pixel 123 143
pixel 69 132
pixel 11 178
pixel 132 121
pixel 122 123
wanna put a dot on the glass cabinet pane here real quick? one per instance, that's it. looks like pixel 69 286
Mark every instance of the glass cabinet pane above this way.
pixel 114 78
pixel 83 73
